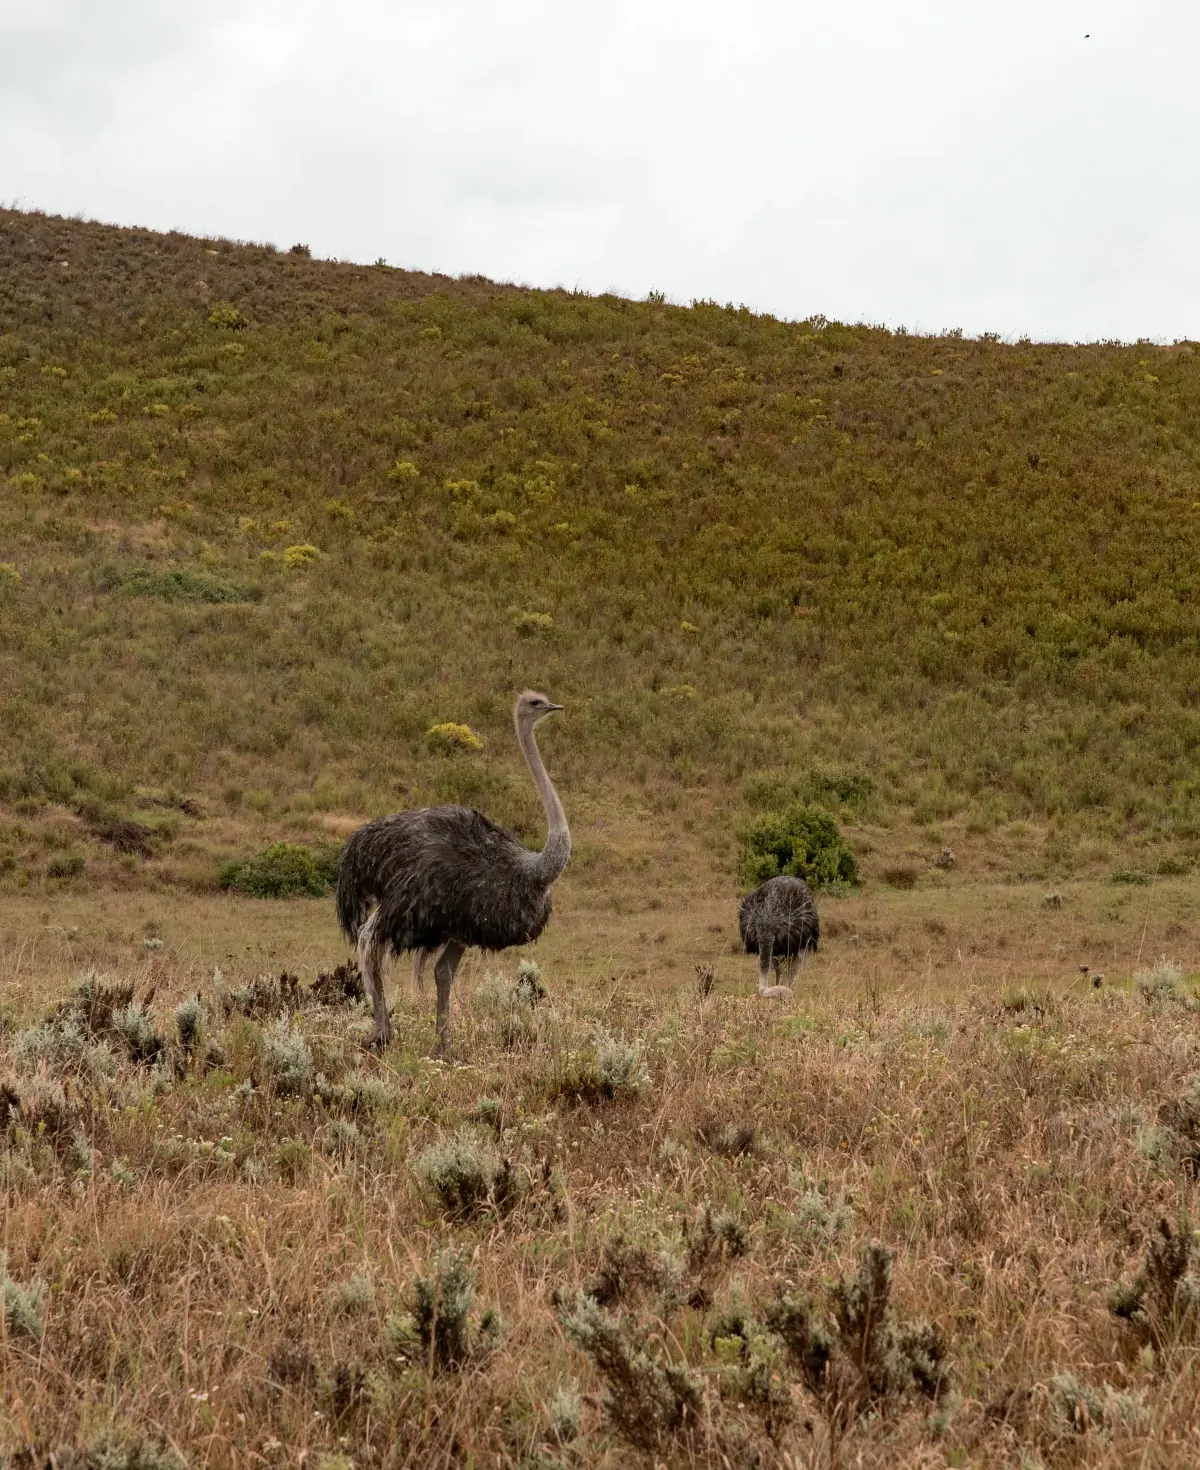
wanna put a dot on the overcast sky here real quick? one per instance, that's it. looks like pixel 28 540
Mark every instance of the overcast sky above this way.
pixel 1027 167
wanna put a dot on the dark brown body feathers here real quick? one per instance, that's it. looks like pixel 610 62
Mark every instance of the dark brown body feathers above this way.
pixel 441 873
pixel 779 919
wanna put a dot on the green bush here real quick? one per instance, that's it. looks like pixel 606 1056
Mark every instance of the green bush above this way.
pixel 803 841
pixel 284 870
pixel 177 584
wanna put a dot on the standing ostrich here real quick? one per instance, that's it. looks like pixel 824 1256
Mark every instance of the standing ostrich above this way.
pixel 779 922
pixel 444 879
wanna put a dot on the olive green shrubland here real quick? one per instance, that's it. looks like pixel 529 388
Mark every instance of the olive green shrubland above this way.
pixel 300 509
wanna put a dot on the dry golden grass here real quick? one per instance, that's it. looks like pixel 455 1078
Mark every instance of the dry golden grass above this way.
pixel 229 1274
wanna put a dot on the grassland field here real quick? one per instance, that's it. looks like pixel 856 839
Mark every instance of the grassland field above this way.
pixel 264 521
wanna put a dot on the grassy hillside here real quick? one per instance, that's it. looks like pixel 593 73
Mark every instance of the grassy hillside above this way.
pixel 265 519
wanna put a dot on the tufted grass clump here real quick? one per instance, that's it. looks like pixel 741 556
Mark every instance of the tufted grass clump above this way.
pixel 283 870
pixel 178 584
pixel 802 841
pixel 467 1174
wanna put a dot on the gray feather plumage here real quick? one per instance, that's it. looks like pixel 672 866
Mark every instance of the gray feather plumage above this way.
pixel 779 919
pixel 441 873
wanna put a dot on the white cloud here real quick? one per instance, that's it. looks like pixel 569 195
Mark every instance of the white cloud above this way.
pixel 933 164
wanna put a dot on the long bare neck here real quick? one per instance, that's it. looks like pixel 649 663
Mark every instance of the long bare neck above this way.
pixel 552 859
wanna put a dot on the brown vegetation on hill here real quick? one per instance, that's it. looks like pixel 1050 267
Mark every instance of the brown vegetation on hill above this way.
pixel 266 520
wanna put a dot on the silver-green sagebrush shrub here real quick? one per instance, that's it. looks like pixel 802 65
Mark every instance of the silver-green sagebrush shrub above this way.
pixel 24 1305
pixel 190 1021
pixel 133 1025
pixel 620 1069
pixel 439 1325
pixel 287 1058
pixel 467 1174
pixel 1159 982
pixel 566 1412
pixel 1162 1303
pixel 648 1398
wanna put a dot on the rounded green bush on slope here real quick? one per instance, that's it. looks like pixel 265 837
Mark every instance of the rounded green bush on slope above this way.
pixel 283 870
pixel 803 841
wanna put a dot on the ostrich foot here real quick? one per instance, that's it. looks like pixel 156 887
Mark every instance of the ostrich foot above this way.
pixel 775 992
pixel 381 1037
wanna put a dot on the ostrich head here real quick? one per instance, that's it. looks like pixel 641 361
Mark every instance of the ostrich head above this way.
pixel 532 707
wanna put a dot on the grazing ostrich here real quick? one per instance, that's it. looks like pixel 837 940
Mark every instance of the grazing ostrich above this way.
pixel 444 879
pixel 779 922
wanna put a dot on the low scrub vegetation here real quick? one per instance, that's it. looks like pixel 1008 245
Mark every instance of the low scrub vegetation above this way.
pixel 300 507
pixel 283 870
pixel 803 842
pixel 828 1249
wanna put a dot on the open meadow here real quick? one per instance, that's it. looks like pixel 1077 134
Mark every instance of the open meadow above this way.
pixel 279 540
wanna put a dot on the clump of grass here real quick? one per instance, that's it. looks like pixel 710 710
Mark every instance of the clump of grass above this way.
pixel 24 1305
pixel 65 865
pixel 287 1058
pixel 468 1175
pixel 283 870
pixel 648 1399
pixel 730 1139
pixel 803 841
pixel 1132 875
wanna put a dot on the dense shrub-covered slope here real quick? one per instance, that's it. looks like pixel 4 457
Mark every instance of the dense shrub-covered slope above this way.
pixel 267 519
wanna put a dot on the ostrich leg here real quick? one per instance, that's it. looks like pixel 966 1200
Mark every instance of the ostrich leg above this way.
pixel 795 968
pixel 443 973
pixel 370 962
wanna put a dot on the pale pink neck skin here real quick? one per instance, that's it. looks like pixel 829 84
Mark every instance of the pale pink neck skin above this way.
pixel 552 859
